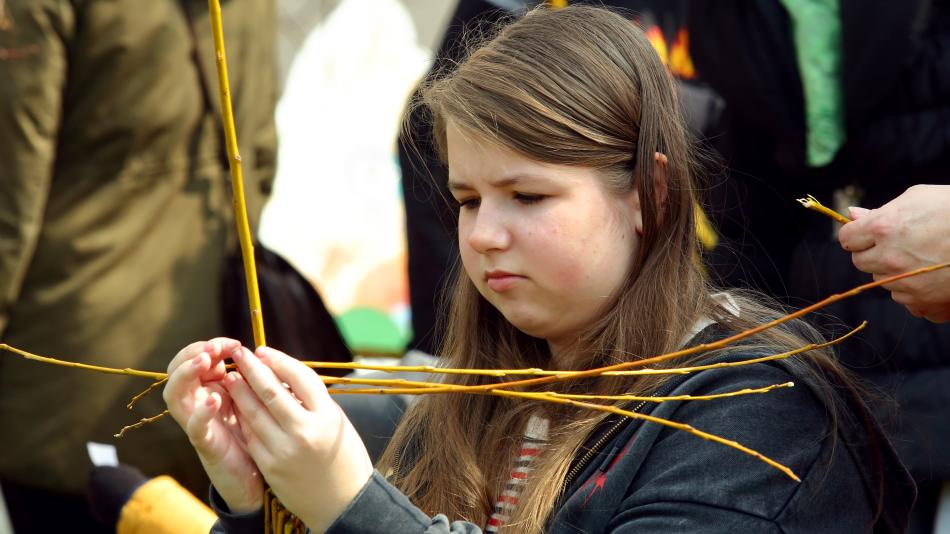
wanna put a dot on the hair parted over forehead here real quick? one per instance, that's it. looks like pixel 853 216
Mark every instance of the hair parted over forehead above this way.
pixel 576 86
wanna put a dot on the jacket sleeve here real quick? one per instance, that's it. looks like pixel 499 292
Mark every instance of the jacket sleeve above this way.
pixel 33 69
pixel 379 508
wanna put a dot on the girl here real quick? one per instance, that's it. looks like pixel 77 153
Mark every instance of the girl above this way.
pixel 570 164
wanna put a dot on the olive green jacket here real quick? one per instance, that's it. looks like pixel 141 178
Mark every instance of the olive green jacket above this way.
pixel 115 214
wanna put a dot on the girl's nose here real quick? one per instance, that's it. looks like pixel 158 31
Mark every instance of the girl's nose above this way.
pixel 488 232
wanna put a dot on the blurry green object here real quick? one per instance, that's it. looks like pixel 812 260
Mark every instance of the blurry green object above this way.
pixel 369 331
pixel 816 26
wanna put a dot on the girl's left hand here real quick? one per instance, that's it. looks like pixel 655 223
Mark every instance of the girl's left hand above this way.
pixel 304 445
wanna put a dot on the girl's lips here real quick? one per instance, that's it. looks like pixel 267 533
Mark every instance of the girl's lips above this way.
pixel 503 282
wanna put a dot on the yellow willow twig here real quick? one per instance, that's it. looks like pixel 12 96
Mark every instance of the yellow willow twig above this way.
pixel 812 203
pixel 630 398
pixel 153 386
pixel 97 368
pixel 416 385
pixel 665 422
pixel 240 219
pixel 237 177
pixel 643 398
pixel 543 372
pixel 421 388
pixel 142 422
pixel 703 347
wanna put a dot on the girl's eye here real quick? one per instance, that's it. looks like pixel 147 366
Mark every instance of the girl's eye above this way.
pixel 468 203
pixel 525 198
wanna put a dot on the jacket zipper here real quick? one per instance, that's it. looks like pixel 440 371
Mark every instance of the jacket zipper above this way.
pixel 586 459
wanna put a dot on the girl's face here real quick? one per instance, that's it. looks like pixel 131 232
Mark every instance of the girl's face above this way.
pixel 546 244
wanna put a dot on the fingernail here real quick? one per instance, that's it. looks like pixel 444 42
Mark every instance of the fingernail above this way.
pixel 237 354
pixel 216 346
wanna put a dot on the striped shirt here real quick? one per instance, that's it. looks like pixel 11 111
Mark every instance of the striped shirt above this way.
pixel 535 437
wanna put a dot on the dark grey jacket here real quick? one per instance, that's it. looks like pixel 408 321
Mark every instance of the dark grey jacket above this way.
pixel 643 477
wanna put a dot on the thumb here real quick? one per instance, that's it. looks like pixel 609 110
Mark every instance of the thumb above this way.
pixel 856 213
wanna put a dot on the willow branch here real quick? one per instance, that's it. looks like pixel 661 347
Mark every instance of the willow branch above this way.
pixel 97 368
pixel 148 390
pixel 665 422
pixel 411 387
pixel 543 372
pixel 237 177
pixel 142 422
pixel 812 203
pixel 703 347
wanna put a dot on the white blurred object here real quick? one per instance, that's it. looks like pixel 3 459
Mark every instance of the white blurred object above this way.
pixel 5 527
pixel 942 521
pixel 336 211
pixel 102 454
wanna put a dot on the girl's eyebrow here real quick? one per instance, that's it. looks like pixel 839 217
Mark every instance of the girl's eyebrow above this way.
pixel 508 181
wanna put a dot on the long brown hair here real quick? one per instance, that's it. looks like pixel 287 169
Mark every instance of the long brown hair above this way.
pixel 578 86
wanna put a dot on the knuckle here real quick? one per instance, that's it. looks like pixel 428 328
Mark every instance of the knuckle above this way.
pixel 269 394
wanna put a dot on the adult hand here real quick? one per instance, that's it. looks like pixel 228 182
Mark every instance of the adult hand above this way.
pixel 306 448
pixel 199 403
pixel 907 233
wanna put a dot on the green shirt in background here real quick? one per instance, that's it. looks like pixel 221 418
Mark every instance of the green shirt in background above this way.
pixel 816 29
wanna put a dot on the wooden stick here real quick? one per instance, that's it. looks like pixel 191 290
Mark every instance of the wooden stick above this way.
pixel 148 390
pixel 543 372
pixel 665 422
pixel 237 177
pixel 142 422
pixel 238 200
pixel 812 203
pixel 709 346
pixel 97 368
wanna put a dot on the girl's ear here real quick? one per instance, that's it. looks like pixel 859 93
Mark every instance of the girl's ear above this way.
pixel 659 187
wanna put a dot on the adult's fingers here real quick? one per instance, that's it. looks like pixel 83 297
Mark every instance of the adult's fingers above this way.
pixel 304 383
pixel 856 235
pixel 873 261
pixel 269 389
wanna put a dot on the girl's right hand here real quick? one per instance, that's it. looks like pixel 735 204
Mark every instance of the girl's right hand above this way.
pixel 202 407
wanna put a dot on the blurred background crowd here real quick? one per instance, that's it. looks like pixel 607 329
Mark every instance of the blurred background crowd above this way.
pixel 116 236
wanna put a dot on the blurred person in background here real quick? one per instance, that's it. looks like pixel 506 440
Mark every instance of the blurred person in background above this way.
pixel 848 101
pixel 115 220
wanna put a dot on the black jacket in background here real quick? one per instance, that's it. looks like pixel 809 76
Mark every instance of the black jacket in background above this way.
pixel 896 91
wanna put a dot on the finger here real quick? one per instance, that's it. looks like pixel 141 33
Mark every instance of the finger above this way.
pixel 186 354
pixel 199 427
pixel 253 445
pixel 269 389
pixel 939 315
pixel 870 261
pixel 215 348
pixel 856 235
pixel 304 383
pixel 219 348
pixel 252 411
pixel 182 385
